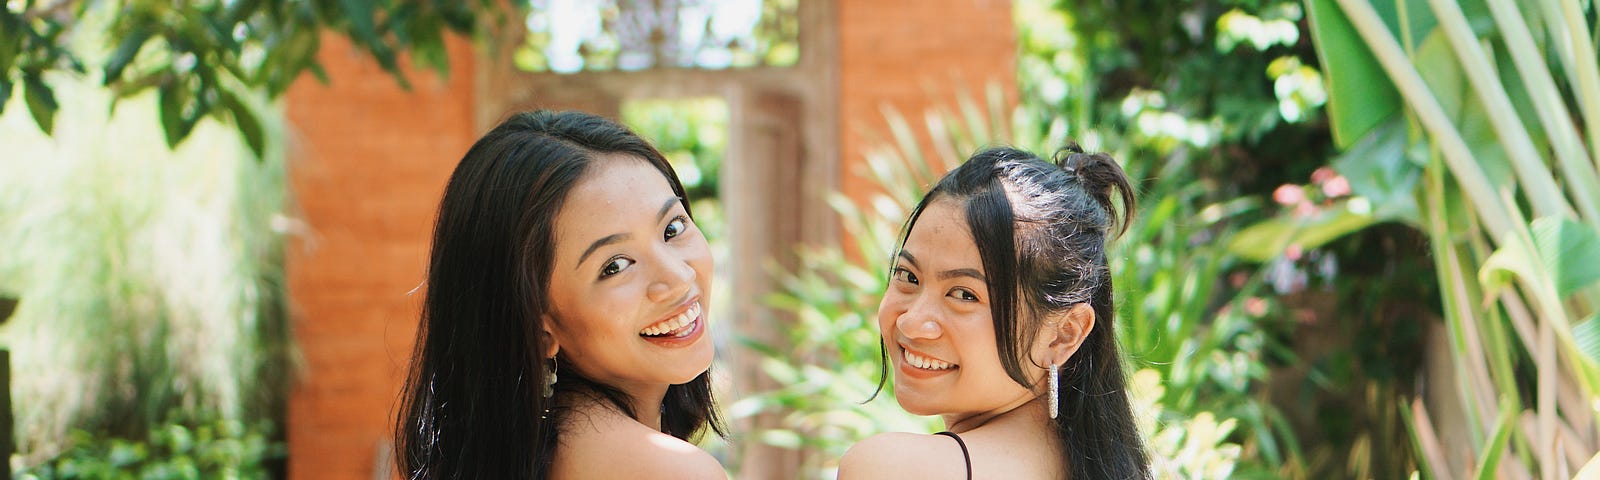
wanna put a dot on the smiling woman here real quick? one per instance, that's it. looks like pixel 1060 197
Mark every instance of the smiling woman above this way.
pixel 999 319
pixel 563 319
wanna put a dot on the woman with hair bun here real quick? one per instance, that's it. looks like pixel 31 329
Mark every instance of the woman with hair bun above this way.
pixel 999 318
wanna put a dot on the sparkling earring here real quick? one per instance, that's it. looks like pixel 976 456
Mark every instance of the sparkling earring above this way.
pixel 1055 386
pixel 550 379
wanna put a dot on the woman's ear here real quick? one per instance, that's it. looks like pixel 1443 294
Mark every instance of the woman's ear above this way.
pixel 552 346
pixel 1066 332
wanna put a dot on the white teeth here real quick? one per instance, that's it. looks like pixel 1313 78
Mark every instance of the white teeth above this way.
pixel 926 363
pixel 669 325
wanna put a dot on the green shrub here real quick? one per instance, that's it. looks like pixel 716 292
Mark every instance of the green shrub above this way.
pixel 187 446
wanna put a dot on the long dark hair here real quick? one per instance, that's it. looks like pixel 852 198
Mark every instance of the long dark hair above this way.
pixel 1041 231
pixel 473 405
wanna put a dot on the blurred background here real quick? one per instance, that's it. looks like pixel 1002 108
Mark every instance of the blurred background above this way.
pixel 1367 245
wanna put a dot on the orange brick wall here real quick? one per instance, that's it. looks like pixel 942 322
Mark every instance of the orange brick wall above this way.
pixel 368 162
pixel 914 55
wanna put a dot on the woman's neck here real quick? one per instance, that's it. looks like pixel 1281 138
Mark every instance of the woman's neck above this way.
pixel 645 400
pixel 1026 412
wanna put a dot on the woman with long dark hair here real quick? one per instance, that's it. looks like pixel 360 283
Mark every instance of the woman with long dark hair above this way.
pixel 563 331
pixel 999 319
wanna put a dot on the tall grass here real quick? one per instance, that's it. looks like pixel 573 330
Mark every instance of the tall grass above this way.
pixel 150 280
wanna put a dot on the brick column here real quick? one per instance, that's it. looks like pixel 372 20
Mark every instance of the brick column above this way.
pixel 914 56
pixel 368 162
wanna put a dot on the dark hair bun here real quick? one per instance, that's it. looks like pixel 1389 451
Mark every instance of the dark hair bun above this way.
pixel 1099 174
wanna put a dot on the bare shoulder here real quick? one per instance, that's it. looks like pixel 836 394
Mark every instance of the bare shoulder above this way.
pixel 903 455
pixel 613 448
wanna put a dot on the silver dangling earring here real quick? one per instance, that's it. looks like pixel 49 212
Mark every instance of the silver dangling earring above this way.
pixel 550 380
pixel 1055 386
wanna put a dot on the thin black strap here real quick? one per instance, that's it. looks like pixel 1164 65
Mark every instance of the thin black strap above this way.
pixel 965 457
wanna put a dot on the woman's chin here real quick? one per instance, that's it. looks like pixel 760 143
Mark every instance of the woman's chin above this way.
pixel 700 365
pixel 915 407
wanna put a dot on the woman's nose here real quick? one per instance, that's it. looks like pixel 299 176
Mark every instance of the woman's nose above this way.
pixel 674 278
pixel 919 321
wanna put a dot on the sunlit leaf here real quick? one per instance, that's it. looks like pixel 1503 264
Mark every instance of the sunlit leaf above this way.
pixel 1360 95
pixel 5 93
pixel 781 438
pixel 245 119
pixel 41 101
pixel 1379 170
pixel 1268 239
pixel 171 103
pixel 1564 252
pixel 11 43
pixel 1569 250
pixel 1586 334
pixel 1497 442
pixel 126 51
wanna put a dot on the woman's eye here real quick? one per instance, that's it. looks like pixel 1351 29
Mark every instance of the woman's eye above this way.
pixel 964 295
pixel 675 228
pixel 615 266
pixel 901 274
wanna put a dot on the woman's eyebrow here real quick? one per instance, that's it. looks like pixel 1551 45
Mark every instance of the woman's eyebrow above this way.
pixel 947 274
pixel 621 237
pixel 667 207
pixel 963 272
pixel 607 240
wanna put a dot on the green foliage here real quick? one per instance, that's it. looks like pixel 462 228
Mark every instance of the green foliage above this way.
pixel 1191 313
pixel 1229 84
pixel 1498 98
pixel 187 446
pixel 152 279
pixel 201 56
pixel 1185 446
pixel 691 133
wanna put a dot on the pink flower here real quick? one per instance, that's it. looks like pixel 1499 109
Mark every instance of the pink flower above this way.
pixel 1305 210
pixel 1322 175
pixel 1255 306
pixel 1238 279
pixel 1337 186
pixel 1289 194
pixel 1294 252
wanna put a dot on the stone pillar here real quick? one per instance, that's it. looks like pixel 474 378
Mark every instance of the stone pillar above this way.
pixel 762 201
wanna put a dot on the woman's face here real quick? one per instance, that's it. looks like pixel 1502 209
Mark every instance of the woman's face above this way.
pixel 630 280
pixel 937 327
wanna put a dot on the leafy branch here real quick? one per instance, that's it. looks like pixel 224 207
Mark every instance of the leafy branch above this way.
pixel 201 57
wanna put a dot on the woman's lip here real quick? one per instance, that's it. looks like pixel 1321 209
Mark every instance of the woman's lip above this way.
pixel 906 369
pixel 683 307
pixel 697 328
pixel 920 353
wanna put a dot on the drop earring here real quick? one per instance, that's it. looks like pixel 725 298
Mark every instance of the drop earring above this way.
pixel 1055 386
pixel 550 379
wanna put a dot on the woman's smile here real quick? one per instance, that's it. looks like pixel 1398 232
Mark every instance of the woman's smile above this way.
pixel 678 330
pixel 921 365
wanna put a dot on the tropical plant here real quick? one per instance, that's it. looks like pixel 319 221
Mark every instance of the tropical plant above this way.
pixel 1494 155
